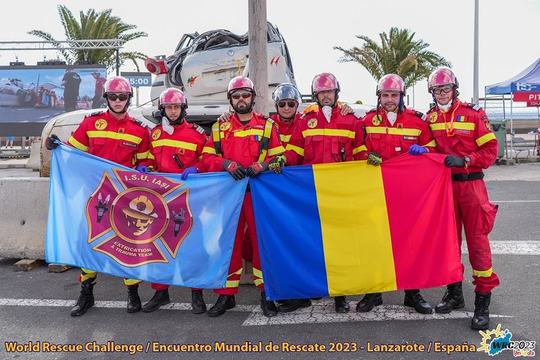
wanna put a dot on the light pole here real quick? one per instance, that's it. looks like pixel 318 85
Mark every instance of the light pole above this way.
pixel 475 61
pixel 258 58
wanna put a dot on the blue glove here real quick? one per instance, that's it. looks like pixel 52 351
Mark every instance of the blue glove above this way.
pixel 142 169
pixel 417 150
pixel 188 171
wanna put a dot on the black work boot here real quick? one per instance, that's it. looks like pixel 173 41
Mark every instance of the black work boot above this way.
pixel 414 299
pixel 268 307
pixel 86 298
pixel 134 301
pixel 292 305
pixel 223 303
pixel 161 297
pixel 480 320
pixel 368 302
pixel 452 299
pixel 197 302
pixel 341 304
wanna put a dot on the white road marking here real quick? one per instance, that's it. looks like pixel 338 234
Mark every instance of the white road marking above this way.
pixel 511 247
pixel 323 312
pixel 104 304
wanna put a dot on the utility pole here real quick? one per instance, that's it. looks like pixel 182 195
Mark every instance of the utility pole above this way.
pixel 258 58
pixel 475 70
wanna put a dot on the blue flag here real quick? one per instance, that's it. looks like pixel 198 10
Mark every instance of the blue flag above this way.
pixel 153 227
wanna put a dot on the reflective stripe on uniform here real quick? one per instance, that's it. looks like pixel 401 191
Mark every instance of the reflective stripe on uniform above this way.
pixel 144 155
pixel 277 150
pixel 454 125
pixel 175 144
pixel 483 273
pixel 432 143
pixel 484 139
pixel 358 149
pixel 285 138
pixel 249 132
pixel 73 142
pixel 129 282
pixel 258 282
pixel 232 283
pixel 296 149
pixel 328 132
pixel 113 135
pixel 392 131
pixel 208 150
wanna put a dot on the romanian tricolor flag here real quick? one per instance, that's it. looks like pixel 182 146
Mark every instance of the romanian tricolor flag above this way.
pixel 351 228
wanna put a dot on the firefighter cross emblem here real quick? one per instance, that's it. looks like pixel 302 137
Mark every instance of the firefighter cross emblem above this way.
pixel 127 223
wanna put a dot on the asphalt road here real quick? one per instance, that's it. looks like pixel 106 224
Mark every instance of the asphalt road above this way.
pixel 34 306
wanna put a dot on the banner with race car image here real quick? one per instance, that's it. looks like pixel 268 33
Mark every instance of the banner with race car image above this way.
pixel 35 94
pixel 153 227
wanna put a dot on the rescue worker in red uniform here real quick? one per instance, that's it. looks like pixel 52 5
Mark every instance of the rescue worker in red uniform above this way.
pixel 115 136
pixel 242 146
pixel 463 131
pixel 325 136
pixel 392 130
pixel 177 147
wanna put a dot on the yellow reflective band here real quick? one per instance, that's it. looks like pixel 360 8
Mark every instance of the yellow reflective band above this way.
pixel 113 135
pixel 328 132
pixel 392 131
pixel 208 150
pixel 359 149
pixel 258 282
pixel 129 282
pixel 455 125
pixel 237 272
pixel 432 143
pixel 483 273
pixel 285 138
pixel 249 132
pixel 484 139
pixel 277 150
pixel 144 155
pixel 175 143
pixel 257 273
pixel 296 149
pixel 232 283
pixel 151 156
pixel 77 144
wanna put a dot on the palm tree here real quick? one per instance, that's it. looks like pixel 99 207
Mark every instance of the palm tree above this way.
pixel 94 25
pixel 398 53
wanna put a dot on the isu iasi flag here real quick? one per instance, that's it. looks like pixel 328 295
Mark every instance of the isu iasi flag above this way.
pixel 351 228
pixel 153 227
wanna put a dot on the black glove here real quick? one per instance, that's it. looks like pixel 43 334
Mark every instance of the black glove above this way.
pixel 454 161
pixel 277 163
pixel 236 170
pixel 51 144
pixel 256 168
pixel 374 159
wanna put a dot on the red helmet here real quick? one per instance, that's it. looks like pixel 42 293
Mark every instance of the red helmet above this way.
pixel 391 82
pixel 117 84
pixel 324 82
pixel 172 96
pixel 442 76
pixel 240 82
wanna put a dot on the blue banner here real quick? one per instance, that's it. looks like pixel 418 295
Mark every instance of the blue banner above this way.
pixel 153 227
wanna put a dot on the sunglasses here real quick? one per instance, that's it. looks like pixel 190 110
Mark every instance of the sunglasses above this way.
pixel 243 96
pixel 291 104
pixel 443 90
pixel 114 97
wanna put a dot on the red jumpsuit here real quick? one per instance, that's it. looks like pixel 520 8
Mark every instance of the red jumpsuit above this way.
pixel 286 128
pixel 123 141
pixel 185 144
pixel 231 140
pixel 316 141
pixel 465 131
pixel 392 140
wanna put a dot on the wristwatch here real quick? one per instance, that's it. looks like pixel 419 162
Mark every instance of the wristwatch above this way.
pixel 467 161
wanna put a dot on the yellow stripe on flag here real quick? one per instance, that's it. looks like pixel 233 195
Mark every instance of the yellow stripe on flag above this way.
pixel 355 229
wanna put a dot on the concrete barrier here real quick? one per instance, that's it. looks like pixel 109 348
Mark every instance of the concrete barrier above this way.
pixel 23 217
pixel 34 161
